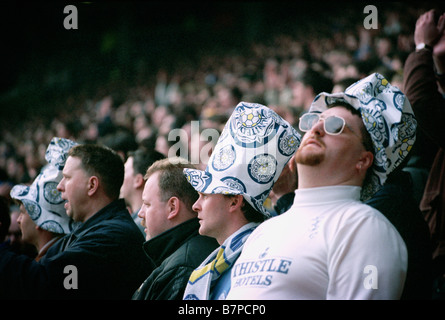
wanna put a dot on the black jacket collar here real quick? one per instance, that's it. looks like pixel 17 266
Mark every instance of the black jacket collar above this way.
pixel 163 245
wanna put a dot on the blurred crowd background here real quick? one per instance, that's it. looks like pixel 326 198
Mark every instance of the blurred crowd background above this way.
pixel 133 71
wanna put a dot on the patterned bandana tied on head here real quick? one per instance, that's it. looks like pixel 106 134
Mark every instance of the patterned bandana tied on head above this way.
pixel 42 200
pixel 250 154
pixel 387 116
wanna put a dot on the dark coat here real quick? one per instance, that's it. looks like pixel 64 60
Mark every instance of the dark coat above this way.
pixel 420 83
pixel 101 259
pixel 175 254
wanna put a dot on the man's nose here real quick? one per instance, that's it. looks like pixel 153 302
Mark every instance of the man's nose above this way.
pixel 141 212
pixel 196 206
pixel 318 128
pixel 59 186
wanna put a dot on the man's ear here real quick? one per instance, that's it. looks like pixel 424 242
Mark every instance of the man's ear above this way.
pixel 138 181
pixel 173 205
pixel 236 201
pixel 366 160
pixel 93 185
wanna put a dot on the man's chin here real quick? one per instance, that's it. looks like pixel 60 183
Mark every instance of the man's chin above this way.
pixel 308 158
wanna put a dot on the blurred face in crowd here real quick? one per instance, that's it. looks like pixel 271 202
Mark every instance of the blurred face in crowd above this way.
pixel 301 93
pixel 27 226
pixel 154 211
pixel 74 188
pixel 14 232
pixel 128 179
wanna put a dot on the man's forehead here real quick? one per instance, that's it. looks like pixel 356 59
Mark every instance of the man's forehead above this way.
pixel 205 194
pixel 343 112
pixel 336 110
pixel 72 160
pixel 152 183
pixel 72 163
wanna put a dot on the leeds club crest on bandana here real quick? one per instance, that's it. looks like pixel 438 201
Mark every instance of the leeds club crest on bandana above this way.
pixel 252 127
pixel 250 154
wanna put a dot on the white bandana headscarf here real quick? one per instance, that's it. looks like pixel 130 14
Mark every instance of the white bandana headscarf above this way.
pixel 388 117
pixel 42 200
pixel 250 154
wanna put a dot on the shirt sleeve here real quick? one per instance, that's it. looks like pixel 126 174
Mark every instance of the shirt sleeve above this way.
pixel 421 88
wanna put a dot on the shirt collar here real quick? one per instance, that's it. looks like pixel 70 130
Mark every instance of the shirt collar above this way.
pixel 322 195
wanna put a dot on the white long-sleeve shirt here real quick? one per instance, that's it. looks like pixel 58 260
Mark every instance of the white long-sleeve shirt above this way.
pixel 329 245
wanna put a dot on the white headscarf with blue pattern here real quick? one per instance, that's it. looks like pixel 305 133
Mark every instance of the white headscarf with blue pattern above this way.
pixel 42 200
pixel 388 117
pixel 250 154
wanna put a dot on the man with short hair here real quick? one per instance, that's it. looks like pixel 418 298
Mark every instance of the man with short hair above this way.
pixel 330 245
pixel 135 168
pixel 173 244
pixel 254 146
pixel 102 257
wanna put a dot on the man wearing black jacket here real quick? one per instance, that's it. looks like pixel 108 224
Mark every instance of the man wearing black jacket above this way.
pixel 174 244
pixel 102 258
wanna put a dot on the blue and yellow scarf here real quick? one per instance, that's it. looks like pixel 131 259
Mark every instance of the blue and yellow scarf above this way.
pixel 207 274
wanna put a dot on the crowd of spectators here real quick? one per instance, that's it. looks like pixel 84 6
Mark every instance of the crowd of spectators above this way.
pixel 272 72
pixel 284 71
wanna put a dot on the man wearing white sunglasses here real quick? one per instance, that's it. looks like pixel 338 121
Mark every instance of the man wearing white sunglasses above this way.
pixel 334 128
pixel 329 244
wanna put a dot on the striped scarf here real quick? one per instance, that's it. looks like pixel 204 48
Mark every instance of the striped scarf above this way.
pixel 206 275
